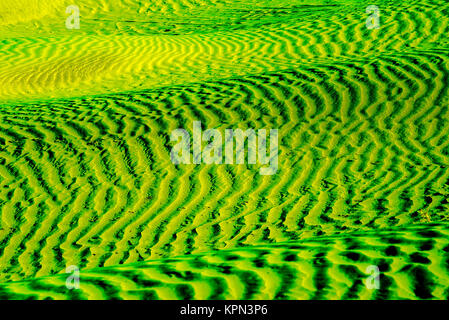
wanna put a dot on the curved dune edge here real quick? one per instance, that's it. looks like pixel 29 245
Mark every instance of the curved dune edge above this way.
pixel 332 267
pixel 98 58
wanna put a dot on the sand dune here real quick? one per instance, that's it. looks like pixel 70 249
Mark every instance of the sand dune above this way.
pixel 85 171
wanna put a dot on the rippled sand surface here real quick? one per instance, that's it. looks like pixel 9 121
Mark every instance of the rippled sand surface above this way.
pixel 86 177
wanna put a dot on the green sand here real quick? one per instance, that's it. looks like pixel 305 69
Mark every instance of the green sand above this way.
pixel 85 171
